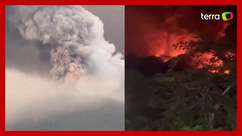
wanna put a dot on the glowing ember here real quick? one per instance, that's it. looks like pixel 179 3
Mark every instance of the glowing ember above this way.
pixel 207 59
pixel 214 71
pixel 227 72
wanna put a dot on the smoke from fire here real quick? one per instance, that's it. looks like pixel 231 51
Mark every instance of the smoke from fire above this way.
pixel 85 68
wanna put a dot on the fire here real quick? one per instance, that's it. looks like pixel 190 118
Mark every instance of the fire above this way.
pixel 214 71
pixel 201 60
pixel 226 72
pixel 210 61
pixel 171 45
pixel 207 59
pixel 168 36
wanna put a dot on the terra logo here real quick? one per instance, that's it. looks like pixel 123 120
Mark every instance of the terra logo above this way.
pixel 225 16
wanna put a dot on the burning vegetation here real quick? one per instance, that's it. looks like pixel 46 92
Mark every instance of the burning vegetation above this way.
pixel 179 68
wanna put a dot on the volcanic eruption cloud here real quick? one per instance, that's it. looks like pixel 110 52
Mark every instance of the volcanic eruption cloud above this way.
pixel 61 72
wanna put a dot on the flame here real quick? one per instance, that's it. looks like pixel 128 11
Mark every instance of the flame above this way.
pixel 171 45
pixel 210 61
pixel 227 72
pixel 174 37
pixel 202 60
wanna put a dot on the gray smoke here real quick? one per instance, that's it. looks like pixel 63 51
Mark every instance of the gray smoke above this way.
pixel 74 34
pixel 85 68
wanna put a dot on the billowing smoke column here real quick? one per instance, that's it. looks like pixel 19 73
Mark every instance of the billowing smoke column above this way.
pixel 85 84
pixel 75 36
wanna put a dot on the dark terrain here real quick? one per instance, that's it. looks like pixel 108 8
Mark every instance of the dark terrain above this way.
pixel 173 96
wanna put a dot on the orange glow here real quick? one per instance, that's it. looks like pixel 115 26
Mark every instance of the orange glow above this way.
pixel 207 59
pixel 227 72
pixel 214 71
pixel 172 45
pixel 157 55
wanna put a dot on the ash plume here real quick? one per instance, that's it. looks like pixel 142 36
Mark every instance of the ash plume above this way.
pixel 74 35
pixel 86 70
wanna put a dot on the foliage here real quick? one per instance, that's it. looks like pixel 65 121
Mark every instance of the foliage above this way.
pixel 187 100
